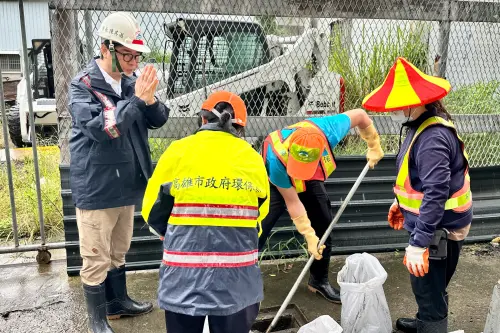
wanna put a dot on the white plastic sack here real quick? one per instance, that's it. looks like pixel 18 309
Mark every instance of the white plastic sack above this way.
pixel 323 324
pixel 364 307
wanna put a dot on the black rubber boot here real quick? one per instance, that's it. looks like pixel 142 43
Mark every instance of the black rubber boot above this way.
pixel 321 285
pixel 96 309
pixel 318 278
pixel 118 303
pixel 432 326
pixel 407 325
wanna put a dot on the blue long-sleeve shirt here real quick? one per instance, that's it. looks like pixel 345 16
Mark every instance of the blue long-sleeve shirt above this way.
pixel 334 127
pixel 437 168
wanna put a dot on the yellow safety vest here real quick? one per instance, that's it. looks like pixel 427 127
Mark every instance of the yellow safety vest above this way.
pixel 411 200
pixel 215 178
pixel 280 148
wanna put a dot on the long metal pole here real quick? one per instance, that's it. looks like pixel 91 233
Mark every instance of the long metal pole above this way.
pixel 32 121
pixel 9 165
pixel 322 241
pixel 89 41
pixel 35 247
pixel 444 39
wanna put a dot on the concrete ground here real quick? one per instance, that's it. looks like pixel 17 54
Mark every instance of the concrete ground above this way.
pixel 44 299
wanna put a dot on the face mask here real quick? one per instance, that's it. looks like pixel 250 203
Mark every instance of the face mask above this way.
pixel 399 117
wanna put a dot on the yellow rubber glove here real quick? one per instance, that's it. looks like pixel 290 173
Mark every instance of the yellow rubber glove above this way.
pixel 375 152
pixel 303 226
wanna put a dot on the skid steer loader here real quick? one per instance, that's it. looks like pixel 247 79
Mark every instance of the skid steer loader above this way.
pixel 44 103
pixel 275 76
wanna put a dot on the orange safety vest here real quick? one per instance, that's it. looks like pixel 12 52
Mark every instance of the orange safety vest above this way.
pixel 280 148
pixel 411 200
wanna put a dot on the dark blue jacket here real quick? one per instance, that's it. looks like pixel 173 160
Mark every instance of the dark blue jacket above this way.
pixel 437 168
pixel 108 172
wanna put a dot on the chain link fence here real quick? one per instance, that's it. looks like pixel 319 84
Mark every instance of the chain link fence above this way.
pixel 292 59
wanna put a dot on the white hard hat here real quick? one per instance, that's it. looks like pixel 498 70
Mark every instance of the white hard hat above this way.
pixel 123 28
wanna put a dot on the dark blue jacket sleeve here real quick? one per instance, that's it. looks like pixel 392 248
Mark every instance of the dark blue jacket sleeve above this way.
pixel 156 114
pixel 88 115
pixel 161 210
pixel 433 152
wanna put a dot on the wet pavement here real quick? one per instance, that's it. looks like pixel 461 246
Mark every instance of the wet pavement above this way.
pixel 37 298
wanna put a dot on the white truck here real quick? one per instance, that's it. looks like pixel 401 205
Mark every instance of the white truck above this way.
pixel 272 79
pixel 44 102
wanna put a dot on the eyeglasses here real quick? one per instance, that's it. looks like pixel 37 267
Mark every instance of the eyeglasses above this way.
pixel 129 56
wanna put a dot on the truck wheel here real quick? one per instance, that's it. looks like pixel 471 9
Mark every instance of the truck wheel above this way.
pixel 15 128
pixel 278 102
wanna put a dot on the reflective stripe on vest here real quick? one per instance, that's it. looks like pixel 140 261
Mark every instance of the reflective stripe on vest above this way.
pixel 210 259
pixel 411 200
pixel 108 112
pixel 214 215
pixel 280 148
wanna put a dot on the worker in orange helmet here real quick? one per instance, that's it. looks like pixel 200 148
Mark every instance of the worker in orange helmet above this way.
pixel 206 199
pixel 298 160
pixel 433 198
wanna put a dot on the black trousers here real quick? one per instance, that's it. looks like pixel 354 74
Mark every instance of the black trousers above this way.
pixel 318 206
pixel 430 290
pixel 240 322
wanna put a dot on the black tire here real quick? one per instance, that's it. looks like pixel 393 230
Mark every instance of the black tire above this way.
pixel 14 125
pixel 43 257
pixel 278 103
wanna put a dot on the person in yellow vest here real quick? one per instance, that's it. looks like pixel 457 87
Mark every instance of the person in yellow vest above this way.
pixel 298 160
pixel 206 199
pixel 433 198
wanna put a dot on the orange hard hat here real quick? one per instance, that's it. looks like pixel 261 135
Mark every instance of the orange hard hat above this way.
pixel 306 148
pixel 239 107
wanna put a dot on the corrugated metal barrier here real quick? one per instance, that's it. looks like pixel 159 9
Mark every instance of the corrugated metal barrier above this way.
pixel 362 227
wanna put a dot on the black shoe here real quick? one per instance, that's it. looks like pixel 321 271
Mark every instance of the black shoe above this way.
pixel 407 325
pixel 322 286
pixel 118 303
pixel 96 309
pixel 432 326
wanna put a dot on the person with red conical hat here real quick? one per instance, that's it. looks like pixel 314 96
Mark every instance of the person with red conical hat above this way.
pixel 433 199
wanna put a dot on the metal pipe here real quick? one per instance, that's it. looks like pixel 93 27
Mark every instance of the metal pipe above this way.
pixel 28 248
pixel 32 121
pixel 89 40
pixel 9 165
pixel 322 241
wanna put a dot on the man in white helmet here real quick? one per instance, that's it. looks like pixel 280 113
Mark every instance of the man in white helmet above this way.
pixel 112 111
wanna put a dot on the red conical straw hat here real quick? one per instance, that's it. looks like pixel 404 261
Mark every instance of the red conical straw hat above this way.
pixel 404 87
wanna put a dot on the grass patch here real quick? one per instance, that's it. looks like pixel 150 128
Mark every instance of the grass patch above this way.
pixel 158 54
pixel 26 198
pixel 366 73
pixel 477 98
pixel 354 146
pixel 158 146
pixel 276 252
